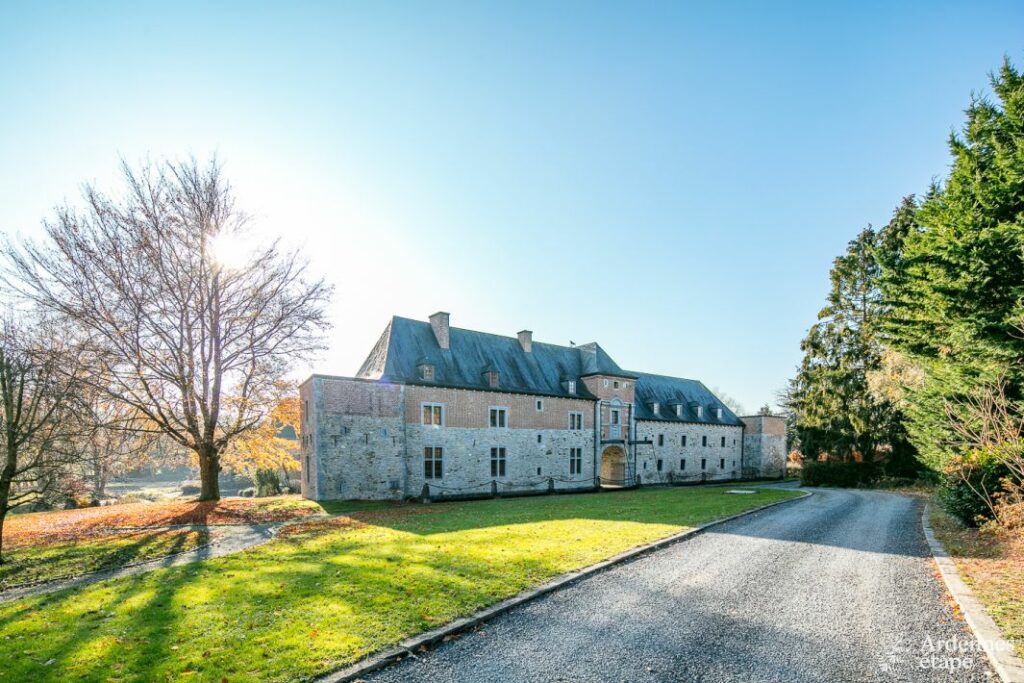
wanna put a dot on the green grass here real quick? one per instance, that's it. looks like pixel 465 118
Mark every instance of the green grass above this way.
pixel 56 561
pixel 318 599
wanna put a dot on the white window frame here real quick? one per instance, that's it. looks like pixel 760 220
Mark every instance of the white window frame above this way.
pixel 539 405
pixel 579 419
pixel 700 412
pixel 499 461
pixel 571 386
pixel 606 384
pixel 429 404
pixel 490 412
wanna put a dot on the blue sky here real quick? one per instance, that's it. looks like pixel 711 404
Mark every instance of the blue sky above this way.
pixel 671 180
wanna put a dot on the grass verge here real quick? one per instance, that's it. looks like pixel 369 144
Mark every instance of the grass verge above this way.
pixel 35 563
pixel 329 592
pixel 991 562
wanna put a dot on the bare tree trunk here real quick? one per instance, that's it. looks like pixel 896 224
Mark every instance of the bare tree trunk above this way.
pixel 209 471
pixel 6 479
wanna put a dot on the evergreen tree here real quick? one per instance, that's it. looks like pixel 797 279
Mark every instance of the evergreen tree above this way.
pixel 835 411
pixel 956 292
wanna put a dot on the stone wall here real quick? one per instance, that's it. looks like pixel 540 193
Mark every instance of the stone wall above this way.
pixel 764 445
pixel 672 453
pixel 356 439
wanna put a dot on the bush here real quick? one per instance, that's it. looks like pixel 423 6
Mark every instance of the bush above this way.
pixel 839 474
pixel 959 491
pixel 267 483
pixel 190 490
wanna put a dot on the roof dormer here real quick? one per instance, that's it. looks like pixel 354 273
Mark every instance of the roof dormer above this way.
pixel 490 375
pixel 655 407
pixel 425 369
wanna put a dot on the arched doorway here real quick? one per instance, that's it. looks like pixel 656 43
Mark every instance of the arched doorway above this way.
pixel 613 466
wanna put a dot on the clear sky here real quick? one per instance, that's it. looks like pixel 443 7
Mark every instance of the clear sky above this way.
pixel 671 180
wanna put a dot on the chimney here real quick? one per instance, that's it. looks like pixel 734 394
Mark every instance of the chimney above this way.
pixel 439 321
pixel 526 340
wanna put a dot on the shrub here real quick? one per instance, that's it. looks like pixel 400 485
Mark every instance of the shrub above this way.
pixel 839 474
pixel 968 488
pixel 190 490
pixel 267 483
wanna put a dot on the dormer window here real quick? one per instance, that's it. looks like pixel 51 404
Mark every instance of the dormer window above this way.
pixel 490 375
pixel 700 412
pixel 718 413
pixel 570 386
pixel 426 370
pixel 679 410
pixel 655 407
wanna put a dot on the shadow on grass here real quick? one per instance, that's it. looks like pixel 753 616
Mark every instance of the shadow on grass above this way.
pixel 325 596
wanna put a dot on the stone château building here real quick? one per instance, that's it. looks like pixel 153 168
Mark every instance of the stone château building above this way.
pixel 471 413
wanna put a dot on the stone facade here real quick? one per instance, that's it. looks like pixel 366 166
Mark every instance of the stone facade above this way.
pixel 462 413
pixel 703 458
pixel 764 445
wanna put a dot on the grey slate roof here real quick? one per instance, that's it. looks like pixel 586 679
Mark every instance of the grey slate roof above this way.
pixel 407 343
pixel 668 391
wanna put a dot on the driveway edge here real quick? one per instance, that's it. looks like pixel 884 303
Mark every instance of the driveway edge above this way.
pixel 1000 652
pixel 409 646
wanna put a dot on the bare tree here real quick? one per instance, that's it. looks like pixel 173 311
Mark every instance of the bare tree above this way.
pixel 115 438
pixel 39 377
pixel 197 348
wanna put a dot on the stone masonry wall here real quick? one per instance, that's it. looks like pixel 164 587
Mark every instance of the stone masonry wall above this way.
pixel 764 445
pixel 672 452
pixel 358 440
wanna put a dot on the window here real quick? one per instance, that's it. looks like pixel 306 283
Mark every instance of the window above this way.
pixel 700 412
pixel 538 471
pixel 433 414
pixel 721 464
pixel 679 410
pixel 615 416
pixel 576 421
pixel 655 408
pixel 718 413
pixel 659 465
pixel 682 464
pixel 723 442
pixel 498 462
pixel 625 385
pixel 432 468
pixel 575 460
pixel 661 439
pixel 606 384
pixel 427 373
pixel 615 385
pixel 703 464
pixel 571 385
pixel 682 441
pixel 703 441
pixel 499 417
pixel 540 438
pixel 540 405
pixel 307 468
pixel 305 413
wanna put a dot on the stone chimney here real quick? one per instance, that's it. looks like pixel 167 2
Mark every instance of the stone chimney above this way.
pixel 526 340
pixel 439 321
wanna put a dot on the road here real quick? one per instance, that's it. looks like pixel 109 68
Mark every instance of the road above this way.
pixel 836 587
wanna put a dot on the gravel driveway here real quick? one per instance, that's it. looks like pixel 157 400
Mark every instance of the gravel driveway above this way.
pixel 837 587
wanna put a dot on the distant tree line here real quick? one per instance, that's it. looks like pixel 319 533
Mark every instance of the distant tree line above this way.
pixel 124 333
pixel 917 359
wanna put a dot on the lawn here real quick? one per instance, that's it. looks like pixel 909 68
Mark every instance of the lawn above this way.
pixel 328 592
pixel 992 564
pixel 47 562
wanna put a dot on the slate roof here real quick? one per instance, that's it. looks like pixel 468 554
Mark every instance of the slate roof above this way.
pixel 406 344
pixel 669 391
